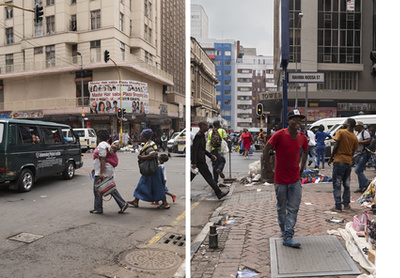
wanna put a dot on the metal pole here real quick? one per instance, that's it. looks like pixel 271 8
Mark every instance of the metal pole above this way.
pixel 306 104
pixel 83 108
pixel 120 97
pixel 295 39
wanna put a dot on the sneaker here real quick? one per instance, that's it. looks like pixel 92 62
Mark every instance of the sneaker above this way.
pixel 222 194
pixel 96 212
pixel 220 174
pixel 359 190
pixel 346 207
pixel 335 209
pixel 123 208
pixel 291 243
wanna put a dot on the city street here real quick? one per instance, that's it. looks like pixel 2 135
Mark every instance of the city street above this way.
pixel 76 243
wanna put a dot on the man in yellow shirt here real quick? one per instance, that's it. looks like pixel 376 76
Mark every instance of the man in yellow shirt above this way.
pixel 342 154
pixel 218 164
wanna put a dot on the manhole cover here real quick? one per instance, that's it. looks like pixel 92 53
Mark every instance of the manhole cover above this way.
pixel 150 260
pixel 25 237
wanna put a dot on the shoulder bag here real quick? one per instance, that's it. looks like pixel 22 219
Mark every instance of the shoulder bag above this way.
pixel 148 167
pixel 106 186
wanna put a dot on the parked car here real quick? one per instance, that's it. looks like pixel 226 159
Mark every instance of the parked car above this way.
pixel 170 143
pixel 30 150
pixel 87 137
pixel 327 123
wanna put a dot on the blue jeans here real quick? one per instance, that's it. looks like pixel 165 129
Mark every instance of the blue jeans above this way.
pixel 341 175
pixel 98 200
pixel 288 199
pixel 359 170
pixel 321 154
pixel 312 154
pixel 217 164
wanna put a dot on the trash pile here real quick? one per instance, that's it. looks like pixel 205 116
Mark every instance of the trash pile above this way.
pixel 368 198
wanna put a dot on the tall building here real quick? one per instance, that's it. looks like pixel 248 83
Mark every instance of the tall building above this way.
pixel 173 53
pixel 336 38
pixel 199 22
pixel 254 84
pixel 222 53
pixel 203 82
pixel 41 62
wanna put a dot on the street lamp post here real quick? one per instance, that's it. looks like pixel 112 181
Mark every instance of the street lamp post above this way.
pixel 295 39
pixel 83 109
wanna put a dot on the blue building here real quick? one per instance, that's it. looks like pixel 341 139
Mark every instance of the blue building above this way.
pixel 222 52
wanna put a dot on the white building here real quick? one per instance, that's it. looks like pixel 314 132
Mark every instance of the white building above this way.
pixel 199 22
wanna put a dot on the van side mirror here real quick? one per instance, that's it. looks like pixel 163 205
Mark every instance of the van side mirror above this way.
pixel 12 134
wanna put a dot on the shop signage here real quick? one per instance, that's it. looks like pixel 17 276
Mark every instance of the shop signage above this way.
pixel 306 77
pixel 163 109
pixel 317 113
pixel 105 97
pixel 270 95
pixel 27 114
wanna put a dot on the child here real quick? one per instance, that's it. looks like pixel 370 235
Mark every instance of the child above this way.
pixel 112 156
pixel 164 158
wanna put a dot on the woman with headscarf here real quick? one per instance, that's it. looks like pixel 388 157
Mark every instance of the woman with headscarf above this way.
pixel 150 188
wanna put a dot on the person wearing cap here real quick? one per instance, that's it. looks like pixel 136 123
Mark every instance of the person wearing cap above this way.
pixel 151 188
pixel 362 156
pixel 346 143
pixel 288 143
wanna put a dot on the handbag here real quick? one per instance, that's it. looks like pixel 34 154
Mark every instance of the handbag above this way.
pixel 148 167
pixel 106 186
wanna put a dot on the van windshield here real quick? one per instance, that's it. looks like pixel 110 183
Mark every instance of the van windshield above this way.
pixel 1 132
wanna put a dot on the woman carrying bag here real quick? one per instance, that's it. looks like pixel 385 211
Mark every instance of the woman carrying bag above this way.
pixel 247 140
pixel 102 170
pixel 151 184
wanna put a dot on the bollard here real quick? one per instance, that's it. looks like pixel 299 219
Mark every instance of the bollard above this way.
pixel 213 237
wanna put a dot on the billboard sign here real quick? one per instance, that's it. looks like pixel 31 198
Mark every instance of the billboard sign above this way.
pixel 105 97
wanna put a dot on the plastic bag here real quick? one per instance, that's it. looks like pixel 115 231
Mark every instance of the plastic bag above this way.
pixel 255 168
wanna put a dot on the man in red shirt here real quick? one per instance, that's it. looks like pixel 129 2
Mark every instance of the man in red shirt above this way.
pixel 288 143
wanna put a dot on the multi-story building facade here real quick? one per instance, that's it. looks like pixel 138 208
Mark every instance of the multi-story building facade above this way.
pixel 337 38
pixel 223 53
pixel 203 82
pixel 41 62
pixel 254 81
pixel 198 22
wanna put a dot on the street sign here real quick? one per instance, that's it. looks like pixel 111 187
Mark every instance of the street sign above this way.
pixel 306 77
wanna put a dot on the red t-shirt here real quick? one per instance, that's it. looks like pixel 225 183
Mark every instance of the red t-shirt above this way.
pixel 287 155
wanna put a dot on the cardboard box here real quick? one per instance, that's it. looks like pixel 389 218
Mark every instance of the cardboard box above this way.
pixel 371 256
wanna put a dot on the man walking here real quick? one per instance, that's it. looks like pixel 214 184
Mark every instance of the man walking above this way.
pixel 287 143
pixel 214 138
pixel 342 155
pixel 198 158
pixel 164 141
pixel 364 139
pixel 312 145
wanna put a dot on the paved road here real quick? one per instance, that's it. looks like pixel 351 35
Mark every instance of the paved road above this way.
pixel 76 243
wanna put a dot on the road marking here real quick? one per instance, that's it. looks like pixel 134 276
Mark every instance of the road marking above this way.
pixel 159 235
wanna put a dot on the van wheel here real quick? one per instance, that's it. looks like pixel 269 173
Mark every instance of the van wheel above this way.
pixel 25 181
pixel 69 171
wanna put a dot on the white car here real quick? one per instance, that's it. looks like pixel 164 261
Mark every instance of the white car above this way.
pixel 170 142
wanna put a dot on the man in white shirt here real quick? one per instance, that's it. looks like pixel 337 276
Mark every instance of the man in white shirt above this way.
pixel 364 139
pixel 312 152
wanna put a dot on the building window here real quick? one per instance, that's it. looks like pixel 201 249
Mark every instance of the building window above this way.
pixel 121 22
pixel 38 50
pixel 50 24
pixel 49 2
pixel 9 10
pixel 122 47
pixel 145 32
pixel 147 8
pixel 339 81
pixel 150 35
pixel 95 51
pixel 73 2
pixel 339 32
pixel 148 58
pixel 95 17
pixel 50 56
pixel 72 23
pixel 9 62
pixel 10 35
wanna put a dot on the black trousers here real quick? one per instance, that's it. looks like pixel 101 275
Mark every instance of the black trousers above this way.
pixel 205 172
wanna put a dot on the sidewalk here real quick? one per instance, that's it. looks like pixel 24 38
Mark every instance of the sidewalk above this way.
pixel 245 242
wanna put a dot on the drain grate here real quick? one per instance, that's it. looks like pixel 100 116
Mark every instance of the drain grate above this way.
pixel 25 237
pixel 173 239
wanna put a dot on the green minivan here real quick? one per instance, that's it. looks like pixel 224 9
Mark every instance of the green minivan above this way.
pixel 32 149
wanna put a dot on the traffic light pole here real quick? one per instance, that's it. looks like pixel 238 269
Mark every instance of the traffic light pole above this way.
pixel 10 5
pixel 120 97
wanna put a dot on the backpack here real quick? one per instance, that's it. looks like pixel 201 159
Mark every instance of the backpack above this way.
pixel 215 138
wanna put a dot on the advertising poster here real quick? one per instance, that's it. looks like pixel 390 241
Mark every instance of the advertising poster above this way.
pixel 317 113
pixel 105 97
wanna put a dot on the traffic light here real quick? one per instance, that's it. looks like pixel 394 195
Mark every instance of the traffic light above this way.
pixel 123 113
pixel 263 117
pixel 38 13
pixel 119 113
pixel 259 109
pixel 106 56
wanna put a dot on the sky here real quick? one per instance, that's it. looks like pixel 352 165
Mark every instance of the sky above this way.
pixel 250 22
